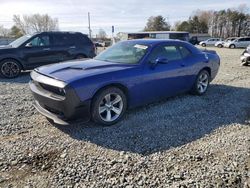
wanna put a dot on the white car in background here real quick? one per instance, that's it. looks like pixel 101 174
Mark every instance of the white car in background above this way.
pixel 241 42
pixel 209 42
pixel 245 57
pixel 221 44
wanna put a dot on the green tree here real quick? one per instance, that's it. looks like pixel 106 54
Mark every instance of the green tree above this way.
pixel 184 26
pixel 157 23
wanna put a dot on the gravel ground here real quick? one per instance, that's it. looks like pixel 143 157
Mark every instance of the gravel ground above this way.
pixel 185 141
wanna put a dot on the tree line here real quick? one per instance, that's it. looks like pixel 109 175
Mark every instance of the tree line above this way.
pixel 234 22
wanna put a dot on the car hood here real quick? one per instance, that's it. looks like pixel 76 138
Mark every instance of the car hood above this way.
pixel 2 47
pixel 78 69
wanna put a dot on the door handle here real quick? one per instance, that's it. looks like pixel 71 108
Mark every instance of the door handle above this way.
pixel 72 47
pixel 46 49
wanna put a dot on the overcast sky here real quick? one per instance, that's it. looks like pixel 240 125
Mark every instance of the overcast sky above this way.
pixel 125 15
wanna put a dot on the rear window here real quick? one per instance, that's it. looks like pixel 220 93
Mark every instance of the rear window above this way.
pixel 84 39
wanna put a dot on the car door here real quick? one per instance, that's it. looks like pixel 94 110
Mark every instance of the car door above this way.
pixel 37 51
pixel 210 41
pixel 64 46
pixel 164 79
pixel 240 43
pixel 247 42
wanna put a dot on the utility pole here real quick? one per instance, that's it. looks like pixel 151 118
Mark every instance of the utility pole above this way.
pixel 89 25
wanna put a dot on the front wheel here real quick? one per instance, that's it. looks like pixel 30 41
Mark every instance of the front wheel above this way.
pixel 10 68
pixel 203 45
pixel 232 46
pixel 201 84
pixel 109 106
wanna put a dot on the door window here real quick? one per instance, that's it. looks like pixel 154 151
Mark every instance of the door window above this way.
pixel 62 40
pixel 40 41
pixel 241 40
pixel 184 51
pixel 171 53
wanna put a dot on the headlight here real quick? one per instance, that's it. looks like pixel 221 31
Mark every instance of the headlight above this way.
pixel 47 80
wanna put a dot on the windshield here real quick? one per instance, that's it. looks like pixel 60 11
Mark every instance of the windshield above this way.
pixel 230 39
pixel 20 41
pixel 124 52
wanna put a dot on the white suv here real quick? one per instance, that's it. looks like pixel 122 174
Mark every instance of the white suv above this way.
pixel 209 42
pixel 241 42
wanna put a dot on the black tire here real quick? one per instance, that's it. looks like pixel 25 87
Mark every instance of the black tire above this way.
pixel 232 46
pixel 10 68
pixel 203 45
pixel 220 46
pixel 98 104
pixel 196 90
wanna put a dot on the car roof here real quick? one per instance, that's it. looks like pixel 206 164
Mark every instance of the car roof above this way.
pixel 156 41
pixel 59 32
pixel 153 42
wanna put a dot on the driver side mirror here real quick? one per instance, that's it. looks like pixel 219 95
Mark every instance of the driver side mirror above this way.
pixel 159 60
pixel 29 45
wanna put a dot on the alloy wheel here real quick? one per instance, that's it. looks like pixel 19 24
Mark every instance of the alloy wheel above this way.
pixel 111 107
pixel 10 69
pixel 202 83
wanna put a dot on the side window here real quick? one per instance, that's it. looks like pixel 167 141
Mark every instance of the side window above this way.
pixel 172 53
pixel 169 52
pixel 248 39
pixel 40 41
pixel 184 52
pixel 84 39
pixel 61 39
pixel 241 40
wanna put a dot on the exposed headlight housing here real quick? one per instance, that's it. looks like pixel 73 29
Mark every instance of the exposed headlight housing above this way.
pixel 47 80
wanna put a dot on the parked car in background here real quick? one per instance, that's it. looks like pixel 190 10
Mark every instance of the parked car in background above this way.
pixel 209 42
pixel 99 44
pixel 196 38
pixel 128 74
pixel 241 42
pixel 221 43
pixel 31 51
pixel 245 57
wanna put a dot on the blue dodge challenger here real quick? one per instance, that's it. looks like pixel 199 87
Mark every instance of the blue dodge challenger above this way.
pixel 126 75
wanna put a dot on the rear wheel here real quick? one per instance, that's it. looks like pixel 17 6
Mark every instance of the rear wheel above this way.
pixel 220 46
pixel 10 68
pixel 109 106
pixel 201 84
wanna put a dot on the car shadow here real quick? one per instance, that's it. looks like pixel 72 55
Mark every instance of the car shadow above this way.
pixel 170 123
pixel 23 78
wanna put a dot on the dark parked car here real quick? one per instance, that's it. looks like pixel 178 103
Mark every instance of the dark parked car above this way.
pixel 126 75
pixel 31 51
